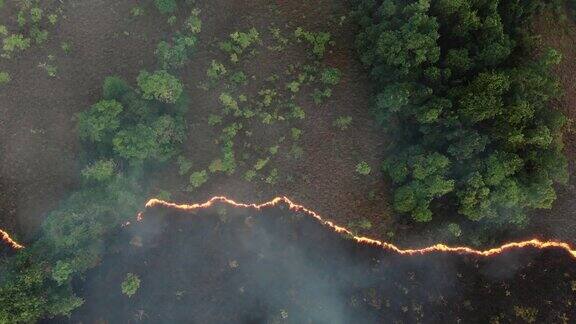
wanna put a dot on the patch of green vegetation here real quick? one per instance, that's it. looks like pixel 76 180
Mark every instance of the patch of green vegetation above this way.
pixel 363 168
pixel 454 229
pixel 160 85
pixel 13 44
pixel 166 6
pixel 131 284
pixel 319 96
pixel 174 54
pixel 239 42
pixel 216 70
pixel 198 178
pixel 4 78
pixel 318 40
pixel 343 122
pixel 331 76
pixel 184 165
pixel 137 11
pixel 281 41
pixel 66 47
pixel 99 171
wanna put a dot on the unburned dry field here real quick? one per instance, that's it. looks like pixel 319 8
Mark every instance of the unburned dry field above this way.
pixel 39 159
pixel 39 146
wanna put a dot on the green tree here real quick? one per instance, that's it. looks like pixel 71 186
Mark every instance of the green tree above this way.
pixel 467 104
pixel 136 143
pixel 160 85
pixel 115 88
pixel 100 121
pixel 99 171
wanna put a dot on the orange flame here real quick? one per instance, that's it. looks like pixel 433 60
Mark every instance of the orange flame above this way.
pixel 535 243
pixel 8 240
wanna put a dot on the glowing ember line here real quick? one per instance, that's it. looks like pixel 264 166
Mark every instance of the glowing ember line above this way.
pixel 8 240
pixel 535 243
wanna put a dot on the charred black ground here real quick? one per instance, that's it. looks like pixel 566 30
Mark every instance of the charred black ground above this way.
pixel 240 265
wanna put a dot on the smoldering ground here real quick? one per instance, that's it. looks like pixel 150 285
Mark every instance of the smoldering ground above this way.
pixel 227 265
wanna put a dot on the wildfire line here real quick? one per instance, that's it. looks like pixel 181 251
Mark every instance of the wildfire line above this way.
pixel 535 243
pixel 8 240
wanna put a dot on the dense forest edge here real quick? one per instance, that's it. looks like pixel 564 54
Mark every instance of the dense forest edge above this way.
pixel 460 87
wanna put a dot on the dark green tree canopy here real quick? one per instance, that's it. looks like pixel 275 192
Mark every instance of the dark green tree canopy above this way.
pixel 471 102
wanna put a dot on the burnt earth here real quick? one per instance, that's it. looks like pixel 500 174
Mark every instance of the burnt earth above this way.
pixel 226 265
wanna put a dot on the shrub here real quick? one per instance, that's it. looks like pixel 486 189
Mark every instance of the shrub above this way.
pixel 230 104
pixel 160 85
pixel 317 40
pixel 318 96
pixel 175 54
pixel 166 6
pixel 198 178
pixel 216 70
pixel 66 47
pixel 184 165
pixel 239 42
pixel 137 11
pixel 454 229
pixel 15 42
pixel 36 15
pixel 249 175
pixel 363 168
pixel 4 78
pixel 39 36
pixel 130 284
pixel 239 78
pixel 343 122
pixel 272 177
pixel 295 133
pixel 331 76
pixel 53 19
pixel 193 23
pixel 294 86
pixel 214 120
pixel 260 164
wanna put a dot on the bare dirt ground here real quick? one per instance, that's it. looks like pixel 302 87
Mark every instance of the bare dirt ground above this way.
pixel 225 265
